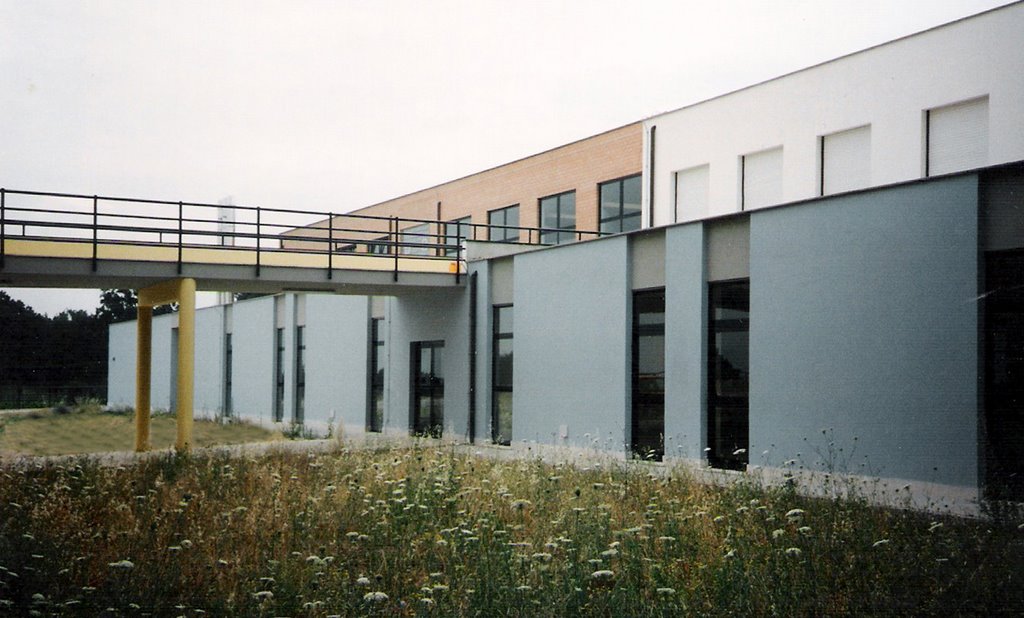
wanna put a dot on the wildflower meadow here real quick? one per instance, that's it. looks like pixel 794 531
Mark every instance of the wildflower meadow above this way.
pixel 431 530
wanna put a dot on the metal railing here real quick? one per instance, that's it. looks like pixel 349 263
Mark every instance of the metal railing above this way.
pixel 103 220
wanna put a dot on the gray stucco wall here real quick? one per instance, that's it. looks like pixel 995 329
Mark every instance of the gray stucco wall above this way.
pixel 572 339
pixel 336 361
pixel 121 364
pixel 685 341
pixel 252 370
pixel 484 329
pixel 208 400
pixel 430 315
pixel 863 324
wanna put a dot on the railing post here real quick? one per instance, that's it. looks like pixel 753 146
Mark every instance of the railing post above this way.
pixel 180 231
pixel 330 245
pixel 3 226
pixel 95 232
pixel 258 238
pixel 458 252
pixel 395 245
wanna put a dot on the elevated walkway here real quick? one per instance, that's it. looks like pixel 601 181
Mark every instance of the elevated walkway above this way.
pixel 169 250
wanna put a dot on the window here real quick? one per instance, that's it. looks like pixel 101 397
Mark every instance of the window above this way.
pixel 375 413
pixel 227 374
pixel 728 373
pixel 761 174
pixel 648 422
pixel 427 388
pixel 415 240
pixel 456 233
pixel 620 205
pixel 501 372
pixel 300 374
pixel 508 216
pixel 279 375
pixel 692 190
pixel 845 161
pixel 558 212
pixel 379 246
pixel 956 137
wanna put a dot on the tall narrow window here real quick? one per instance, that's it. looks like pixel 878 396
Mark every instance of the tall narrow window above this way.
pixel 761 174
pixel 648 422
pixel 279 375
pixel 845 161
pixel 416 240
pixel 620 205
pixel 503 223
pixel 956 137
pixel 1004 375
pixel 300 374
pixel 558 217
pixel 692 190
pixel 501 372
pixel 379 246
pixel 375 414
pixel 427 388
pixel 728 373
pixel 228 407
pixel 456 234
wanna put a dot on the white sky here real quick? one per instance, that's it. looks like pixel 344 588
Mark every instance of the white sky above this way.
pixel 338 105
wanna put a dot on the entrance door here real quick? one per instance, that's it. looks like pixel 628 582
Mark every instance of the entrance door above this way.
pixel 728 373
pixel 648 423
pixel 427 388
pixel 1004 375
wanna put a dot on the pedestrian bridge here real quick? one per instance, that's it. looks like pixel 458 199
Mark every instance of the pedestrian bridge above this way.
pixel 168 250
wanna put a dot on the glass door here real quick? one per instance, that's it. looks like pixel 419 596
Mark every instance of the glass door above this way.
pixel 428 388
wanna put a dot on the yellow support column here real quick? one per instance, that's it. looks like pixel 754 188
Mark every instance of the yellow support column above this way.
pixel 143 356
pixel 186 361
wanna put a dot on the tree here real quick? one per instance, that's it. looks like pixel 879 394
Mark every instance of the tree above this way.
pixel 117 306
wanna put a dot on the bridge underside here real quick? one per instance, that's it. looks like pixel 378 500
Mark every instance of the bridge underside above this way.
pixel 35 264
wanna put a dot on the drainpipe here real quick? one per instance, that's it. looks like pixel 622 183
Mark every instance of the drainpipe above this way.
pixel 650 174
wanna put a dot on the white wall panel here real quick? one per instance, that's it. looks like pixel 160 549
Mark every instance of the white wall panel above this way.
pixel 762 178
pixel 692 193
pixel 846 160
pixel 958 137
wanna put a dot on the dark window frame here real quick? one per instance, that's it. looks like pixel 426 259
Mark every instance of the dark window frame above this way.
pixel 499 335
pixel 643 446
pixel 506 235
pixel 279 374
pixel 621 216
pixel 731 408
pixel 375 383
pixel 228 362
pixel 564 233
pixel 299 411
pixel 461 228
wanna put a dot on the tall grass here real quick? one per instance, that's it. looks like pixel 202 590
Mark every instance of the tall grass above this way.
pixel 429 531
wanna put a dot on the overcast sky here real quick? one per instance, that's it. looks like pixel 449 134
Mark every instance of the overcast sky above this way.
pixel 338 105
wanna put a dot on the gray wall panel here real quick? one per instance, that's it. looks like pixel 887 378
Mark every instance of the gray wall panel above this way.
pixel 336 361
pixel 253 363
pixel 572 334
pixel 121 365
pixel 685 367
pixel 432 315
pixel 208 399
pixel 863 322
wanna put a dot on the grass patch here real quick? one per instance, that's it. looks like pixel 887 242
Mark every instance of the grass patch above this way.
pixel 87 429
pixel 429 531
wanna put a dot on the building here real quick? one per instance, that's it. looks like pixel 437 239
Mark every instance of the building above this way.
pixel 829 278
